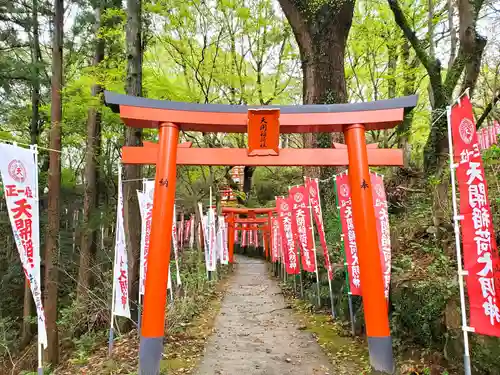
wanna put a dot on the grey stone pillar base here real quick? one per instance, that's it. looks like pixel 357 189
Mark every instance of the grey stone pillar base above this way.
pixel 150 352
pixel 381 358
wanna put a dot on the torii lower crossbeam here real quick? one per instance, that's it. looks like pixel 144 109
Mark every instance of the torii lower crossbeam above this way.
pixel 287 157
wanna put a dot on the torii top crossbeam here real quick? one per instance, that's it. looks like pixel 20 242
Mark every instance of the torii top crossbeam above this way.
pixel 263 126
pixel 224 118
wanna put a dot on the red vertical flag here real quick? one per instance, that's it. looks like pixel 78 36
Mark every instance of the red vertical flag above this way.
pixel 288 242
pixel 383 231
pixel 486 137
pixel 346 218
pixel 480 139
pixel 302 226
pixel 244 234
pixel 493 134
pixel 314 200
pixel 274 239
pixel 478 236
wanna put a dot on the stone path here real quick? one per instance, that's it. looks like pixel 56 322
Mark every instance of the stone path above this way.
pixel 255 332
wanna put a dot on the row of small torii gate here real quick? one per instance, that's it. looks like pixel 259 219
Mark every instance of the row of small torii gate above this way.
pixel 263 126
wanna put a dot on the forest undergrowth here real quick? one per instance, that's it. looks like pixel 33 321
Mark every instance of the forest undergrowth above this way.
pixel 189 322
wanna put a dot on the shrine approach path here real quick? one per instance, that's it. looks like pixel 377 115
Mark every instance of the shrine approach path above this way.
pixel 256 334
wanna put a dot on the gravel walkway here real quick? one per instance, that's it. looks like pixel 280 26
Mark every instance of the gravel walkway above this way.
pixel 255 332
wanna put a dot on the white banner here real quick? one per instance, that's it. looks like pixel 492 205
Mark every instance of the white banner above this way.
pixel 120 268
pixel 146 208
pixel 176 251
pixel 191 233
pixel 213 240
pixel 206 237
pixel 223 241
pixel 20 182
pixel 208 225
pixel 169 281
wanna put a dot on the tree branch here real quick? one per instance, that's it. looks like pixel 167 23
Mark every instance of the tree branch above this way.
pixel 416 43
pixel 488 110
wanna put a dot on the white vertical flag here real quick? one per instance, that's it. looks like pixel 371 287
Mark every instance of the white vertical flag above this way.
pixel 212 240
pixel 191 233
pixel 146 208
pixel 205 226
pixel 120 269
pixel 20 180
pixel 222 238
pixel 142 209
pixel 169 281
pixel 174 244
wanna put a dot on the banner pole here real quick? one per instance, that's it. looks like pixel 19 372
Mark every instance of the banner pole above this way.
pixel 34 149
pixel 300 273
pixel 112 325
pixel 460 271
pixel 102 232
pixel 332 302
pixel 171 285
pixel 209 231
pixel 346 270
pixel 315 254
pixel 111 332
pixel 139 314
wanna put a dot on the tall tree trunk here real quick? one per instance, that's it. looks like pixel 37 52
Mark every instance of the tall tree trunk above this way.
pixel 26 332
pixel 35 63
pixel 54 184
pixel 26 329
pixel 247 182
pixel 89 234
pixel 468 58
pixel 409 79
pixel 321 30
pixel 133 137
pixel 392 63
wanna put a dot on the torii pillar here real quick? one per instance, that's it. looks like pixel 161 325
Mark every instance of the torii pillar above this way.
pixel 264 127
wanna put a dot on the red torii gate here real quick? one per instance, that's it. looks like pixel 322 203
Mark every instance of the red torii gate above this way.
pixel 232 213
pixel 263 126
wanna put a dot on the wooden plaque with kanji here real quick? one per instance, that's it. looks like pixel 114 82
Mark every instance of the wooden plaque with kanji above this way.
pixel 263 132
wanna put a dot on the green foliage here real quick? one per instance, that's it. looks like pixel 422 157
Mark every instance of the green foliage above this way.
pixel 418 310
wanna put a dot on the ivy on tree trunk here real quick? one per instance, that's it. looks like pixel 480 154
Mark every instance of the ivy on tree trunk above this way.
pixel 321 29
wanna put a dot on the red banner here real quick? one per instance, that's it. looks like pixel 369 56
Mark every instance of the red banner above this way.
pixel 383 231
pixel 346 218
pixel 244 234
pixel 478 237
pixel 251 237
pixel 315 202
pixel 274 239
pixel 288 242
pixel 302 226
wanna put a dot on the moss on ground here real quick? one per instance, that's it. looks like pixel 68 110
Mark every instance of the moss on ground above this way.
pixel 348 355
